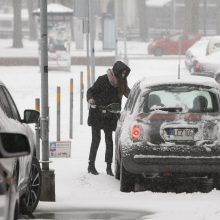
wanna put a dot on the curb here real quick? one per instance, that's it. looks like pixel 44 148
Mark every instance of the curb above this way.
pixel 34 61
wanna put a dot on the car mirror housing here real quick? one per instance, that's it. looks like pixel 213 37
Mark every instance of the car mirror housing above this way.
pixel 31 116
pixel 13 145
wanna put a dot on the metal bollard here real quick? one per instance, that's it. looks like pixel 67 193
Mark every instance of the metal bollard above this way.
pixel 58 113
pixel 81 97
pixel 71 109
pixel 88 80
pixel 88 77
pixel 37 129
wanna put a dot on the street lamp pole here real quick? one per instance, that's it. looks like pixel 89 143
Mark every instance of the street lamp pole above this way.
pixel 87 52
pixel 204 16
pixel 125 31
pixel 116 29
pixel 92 47
pixel 174 15
pixel 48 178
pixel 44 86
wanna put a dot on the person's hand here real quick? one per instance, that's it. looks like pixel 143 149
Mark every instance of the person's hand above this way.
pixel 91 101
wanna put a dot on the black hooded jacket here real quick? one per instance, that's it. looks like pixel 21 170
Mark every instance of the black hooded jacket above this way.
pixel 104 94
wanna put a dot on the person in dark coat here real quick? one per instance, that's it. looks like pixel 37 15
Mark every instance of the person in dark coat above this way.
pixel 107 89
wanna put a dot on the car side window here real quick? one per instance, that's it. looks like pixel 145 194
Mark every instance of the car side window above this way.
pixel 192 37
pixel 13 107
pixel 135 97
pixel 176 38
pixel 129 102
pixel 4 103
pixel 7 104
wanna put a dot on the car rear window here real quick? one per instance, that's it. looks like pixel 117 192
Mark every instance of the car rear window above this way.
pixel 188 99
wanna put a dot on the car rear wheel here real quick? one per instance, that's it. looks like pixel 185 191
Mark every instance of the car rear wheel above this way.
pixel 158 52
pixel 30 199
pixel 126 180
pixel 207 185
pixel 217 182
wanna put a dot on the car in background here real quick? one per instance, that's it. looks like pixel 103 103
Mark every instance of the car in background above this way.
pixel 26 169
pixel 202 48
pixel 173 44
pixel 209 63
pixel 197 50
pixel 12 145
pixel 169 130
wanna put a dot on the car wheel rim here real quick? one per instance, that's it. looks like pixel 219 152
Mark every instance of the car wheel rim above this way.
pixel 33 191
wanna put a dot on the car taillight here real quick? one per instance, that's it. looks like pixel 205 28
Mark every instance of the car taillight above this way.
pixel 136 133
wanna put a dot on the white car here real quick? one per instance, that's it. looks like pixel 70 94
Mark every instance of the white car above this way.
pixel 169 131
pixel 205 46
pixel 26 169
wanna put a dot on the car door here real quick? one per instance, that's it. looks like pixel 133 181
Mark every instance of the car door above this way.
pixel 127 110
pixel 173 44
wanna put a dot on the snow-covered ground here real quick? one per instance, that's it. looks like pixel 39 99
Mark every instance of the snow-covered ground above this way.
pixel 75 188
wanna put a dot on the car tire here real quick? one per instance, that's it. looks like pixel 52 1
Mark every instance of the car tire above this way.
pixel 126 180
pixel 158 52
pixel 30 199
pixel 117 170
pixel 217 182
pixel 207 185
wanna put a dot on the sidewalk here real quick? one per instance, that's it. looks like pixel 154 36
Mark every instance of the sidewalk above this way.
pixel 29 55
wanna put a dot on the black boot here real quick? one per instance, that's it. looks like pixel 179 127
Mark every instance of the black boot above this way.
pixel 92 169
pixel 109 169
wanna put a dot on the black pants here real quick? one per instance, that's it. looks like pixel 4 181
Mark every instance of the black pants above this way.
pixel 96 137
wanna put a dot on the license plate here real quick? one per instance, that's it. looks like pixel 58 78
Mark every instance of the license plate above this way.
pixel 181 134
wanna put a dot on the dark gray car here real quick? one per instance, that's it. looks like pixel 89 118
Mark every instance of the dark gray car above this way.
pixel 169 128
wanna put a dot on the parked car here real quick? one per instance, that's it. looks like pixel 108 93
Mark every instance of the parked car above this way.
pixel 173 44
pixel 26 169
pixel 196 50
pixel 169 129
pixel 202 48
pixel 12 145
pixel 209 63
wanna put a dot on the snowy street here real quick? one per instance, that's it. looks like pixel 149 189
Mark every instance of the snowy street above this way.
pixel 150 70
pixel 80 195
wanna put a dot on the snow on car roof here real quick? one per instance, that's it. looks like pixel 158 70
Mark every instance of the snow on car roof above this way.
pixel 172 80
